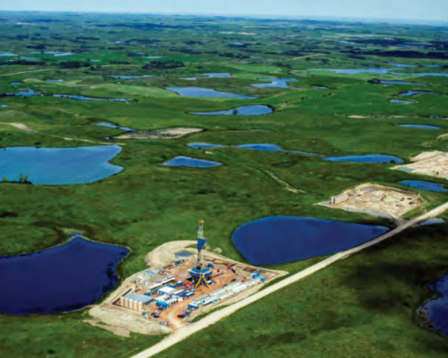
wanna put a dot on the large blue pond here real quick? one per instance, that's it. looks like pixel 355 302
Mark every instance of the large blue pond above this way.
pixel 419 126
pixel 110 125
pixel 255 110
pixel 275 83
pixel 369 158
pixel 204 92
pixel 436 310
pixel 205 145
pixel 424 185
pixel 63 278
pixel 282 239
pixel 59 166
pixel 191 162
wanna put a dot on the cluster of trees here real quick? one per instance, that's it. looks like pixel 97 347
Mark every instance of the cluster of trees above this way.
pixel 23 179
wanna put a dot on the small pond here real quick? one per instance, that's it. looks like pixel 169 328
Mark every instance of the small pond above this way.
pixel 420 126
pixel 434 221
pixel 217 75
pixel 264 147
pixel 63 278
pixel 424 185
pixel 401 65
pixel 414 93
pixel 16 83
pixel 205 145
pixel 436 309
pixel 111 125
pixel 387 82
pixel 240 111
pixel 369 158
pixel 275 83
pixel 189 79
pixel 3 54
pixel 122 77
pixel 191 162
pixel 281 239
pixel 400 101
pixel 54 81
pixel 379 71
pixel 59 166
pixel 3 106
pixel 204 92
pixel 84 98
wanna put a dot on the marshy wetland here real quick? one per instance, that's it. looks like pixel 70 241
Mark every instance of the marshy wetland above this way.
pixel 204 126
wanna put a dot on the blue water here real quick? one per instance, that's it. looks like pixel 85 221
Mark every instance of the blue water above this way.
pixel 218 75
pixel 387 82
pixel 54 80
pixel 281 239
pixel 3 106
pixel 191 162
pixel 204 92
pixel 437 308
pixel 240 111
pixel 110 125
pixel 399 101
pixel 369 158
pixel 424 185
pixel 128 77
pixel 189 79
pixel 63 278
pixel 401 65
pixel 59 166
pixel 435 74
pixel 28 58
pixel 153 57
pixel 275 83
pixel 16 83
pixel 414 93
pixel 63 54
pixel 420 126
pixel 25 93
pixel 84 98
pixel 264 147
pixel 304 153
pixel 321 87
pixel 434 221
pixel 3 54
pixel 205 145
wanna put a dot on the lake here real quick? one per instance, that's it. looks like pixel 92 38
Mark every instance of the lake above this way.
pixel 254 110
pixel 419 126
pixel 110 125
pixel 275 83
pixel 436 309
pixel 191 162
pixel 281 239
pixel 369 158
pixel 63 278
pixel 424 185
pixel 59 166
pixel 204 92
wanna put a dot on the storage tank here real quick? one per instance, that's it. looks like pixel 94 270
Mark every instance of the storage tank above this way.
pixel 139 306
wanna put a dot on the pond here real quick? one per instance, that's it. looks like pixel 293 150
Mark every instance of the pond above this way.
pixel 275 83
pixel 400 101
pixel 3 106
pixel 205 145
pixel 54 81
pixel 204 92
pixel 16 83
pixel 420 126
pixel 435 74
pixel 217 75
pixel 25 93
pixel 379 71
pixel 84 98
pixel 436 309
pixel 3 54
pixel 122 77
pixel 189 79
pixel 387 82
pixel 264 147
pixel 369 158
pixel 240 111
pixel 414 93
pixel 281 239
pixel 424 185
pixel 401 65
pixel 111 125
pixel 59 166
pixel 191 162
pixel 434 221
pixel 64 278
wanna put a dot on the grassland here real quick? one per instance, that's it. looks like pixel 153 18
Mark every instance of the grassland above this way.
pixel 362 307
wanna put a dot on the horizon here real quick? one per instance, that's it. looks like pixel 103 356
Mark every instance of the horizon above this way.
pixel 410 11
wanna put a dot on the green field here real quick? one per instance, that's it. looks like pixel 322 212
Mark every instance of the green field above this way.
pixel 364 306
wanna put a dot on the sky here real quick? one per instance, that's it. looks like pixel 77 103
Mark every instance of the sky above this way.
pixel 426 10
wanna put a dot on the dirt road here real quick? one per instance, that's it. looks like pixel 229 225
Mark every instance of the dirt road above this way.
pixel 211 319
